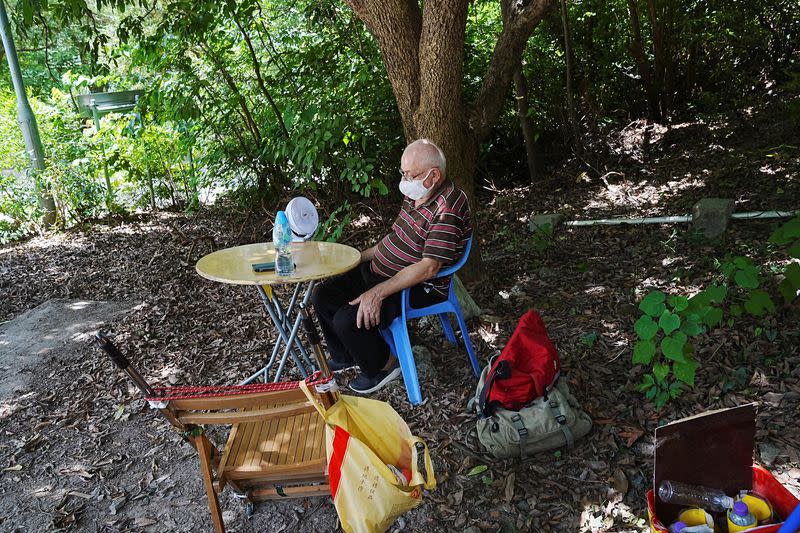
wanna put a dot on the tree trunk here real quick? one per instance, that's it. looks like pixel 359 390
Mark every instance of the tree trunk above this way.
pixel 659 57
pixel 573 121
pixel 423 52
pixel 521 88
pixel 637 51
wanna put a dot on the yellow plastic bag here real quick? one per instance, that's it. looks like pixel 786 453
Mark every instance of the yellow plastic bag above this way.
pixel 362 437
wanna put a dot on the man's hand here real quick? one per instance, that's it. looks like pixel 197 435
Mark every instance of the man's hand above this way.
pixel 369 308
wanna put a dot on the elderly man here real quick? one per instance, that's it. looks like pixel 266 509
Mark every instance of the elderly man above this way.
pixel 430 232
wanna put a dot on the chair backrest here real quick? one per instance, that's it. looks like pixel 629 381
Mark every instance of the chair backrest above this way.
pixel 454 268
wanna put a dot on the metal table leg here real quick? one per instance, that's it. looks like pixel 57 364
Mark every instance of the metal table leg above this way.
pixel 293 337
pixel 281 320
pixel 287 316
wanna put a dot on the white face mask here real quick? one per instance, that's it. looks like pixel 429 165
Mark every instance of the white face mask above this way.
pixel 415 189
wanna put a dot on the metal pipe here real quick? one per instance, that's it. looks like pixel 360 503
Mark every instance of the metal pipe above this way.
pixel 750 215
pixel 764 214
pixel 617 221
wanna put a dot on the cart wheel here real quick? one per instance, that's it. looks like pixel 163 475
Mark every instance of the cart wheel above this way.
pixel 249 509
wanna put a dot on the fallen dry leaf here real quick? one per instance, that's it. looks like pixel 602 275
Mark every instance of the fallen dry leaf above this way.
pixel 630 434
pixel 508 487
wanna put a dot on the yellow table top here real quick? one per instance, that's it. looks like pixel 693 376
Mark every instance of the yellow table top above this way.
pixel 313 260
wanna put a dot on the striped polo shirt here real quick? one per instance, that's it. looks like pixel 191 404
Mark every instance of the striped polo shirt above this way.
pixel 438 229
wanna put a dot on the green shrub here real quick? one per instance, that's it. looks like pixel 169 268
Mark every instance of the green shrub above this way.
pixel 789 235
pixel 664 331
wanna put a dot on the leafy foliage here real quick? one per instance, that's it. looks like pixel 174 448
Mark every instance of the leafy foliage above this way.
pixel 664 331
pixel 260 97
pixel 789 235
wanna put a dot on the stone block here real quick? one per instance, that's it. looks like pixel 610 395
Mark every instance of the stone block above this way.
pixel 537 221
pixel 425 369
pixel 711 216
pixel 469 309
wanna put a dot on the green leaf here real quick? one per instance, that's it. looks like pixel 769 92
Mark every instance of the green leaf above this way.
pixel 660 371
pixel 794 251
pixel 786 233
pixel 653 303
pixel 716 293
pixel 747 279
pixel 685 371
pixel 691 325
pixel 758 303
pixel 699 301
pixel 669 322
pixel 651 392
pixel 661 398
pixel 647 382
pixel 643 352
pixel 589 339
pixel 713 316
pixel 675 389
pixel 792 273
pixel 477 470
pixel 645 327
pixel 679 303
pixel 672 346
pixel 788 290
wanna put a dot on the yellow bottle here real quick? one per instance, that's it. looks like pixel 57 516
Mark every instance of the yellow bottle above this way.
pixel 758 506
pixel 694 516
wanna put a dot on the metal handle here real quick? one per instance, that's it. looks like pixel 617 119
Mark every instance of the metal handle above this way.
pixel 314 340
pixel 122 362
pixel 113 352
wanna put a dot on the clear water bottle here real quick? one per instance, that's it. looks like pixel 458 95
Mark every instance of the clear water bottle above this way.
pixel 740 517
pixel 678 493
pixel 281 237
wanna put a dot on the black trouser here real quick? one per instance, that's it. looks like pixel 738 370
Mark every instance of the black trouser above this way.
pixel 346 341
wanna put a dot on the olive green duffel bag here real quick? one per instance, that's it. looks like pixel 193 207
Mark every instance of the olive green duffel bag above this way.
pixel 549 422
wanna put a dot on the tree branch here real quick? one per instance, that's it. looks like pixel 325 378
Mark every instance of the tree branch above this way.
pixel 257 69
pixel 248 117
pixel 517 28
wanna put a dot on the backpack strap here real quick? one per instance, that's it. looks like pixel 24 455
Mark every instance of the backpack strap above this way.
pixel 519 425
pixel 559 416
pixel 483 397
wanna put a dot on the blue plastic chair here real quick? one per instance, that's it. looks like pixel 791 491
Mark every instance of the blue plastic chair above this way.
pixel 396 335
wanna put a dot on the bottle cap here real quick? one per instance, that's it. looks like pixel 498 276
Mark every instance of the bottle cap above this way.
pixel 280 218
pixel 740 508
pixel 677 527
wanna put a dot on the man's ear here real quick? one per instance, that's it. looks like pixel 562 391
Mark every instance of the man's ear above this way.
pixel 435 172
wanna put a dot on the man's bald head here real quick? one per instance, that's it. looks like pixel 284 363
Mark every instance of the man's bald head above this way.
pixel 425 154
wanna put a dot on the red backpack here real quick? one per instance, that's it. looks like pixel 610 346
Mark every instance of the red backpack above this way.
pixel 527 368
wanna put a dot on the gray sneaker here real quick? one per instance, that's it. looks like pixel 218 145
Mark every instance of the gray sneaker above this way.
pixel 366 385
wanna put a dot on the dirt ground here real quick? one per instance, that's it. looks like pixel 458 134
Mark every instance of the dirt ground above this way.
pixel 79 451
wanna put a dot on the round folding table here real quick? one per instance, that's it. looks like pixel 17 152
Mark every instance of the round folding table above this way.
pixel 313 261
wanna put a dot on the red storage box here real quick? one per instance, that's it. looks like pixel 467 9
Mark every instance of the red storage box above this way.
pixel 764 483
pixel 713 449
